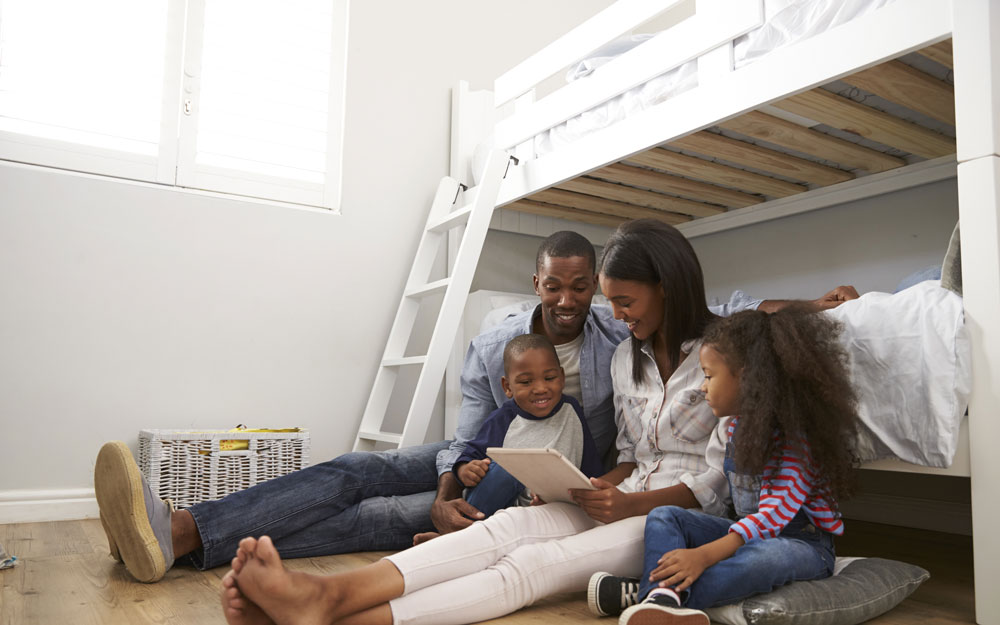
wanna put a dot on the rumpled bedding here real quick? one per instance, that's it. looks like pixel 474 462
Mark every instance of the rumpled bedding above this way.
pixel 910 361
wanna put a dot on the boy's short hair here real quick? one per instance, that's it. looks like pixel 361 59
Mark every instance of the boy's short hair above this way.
pixel 520 344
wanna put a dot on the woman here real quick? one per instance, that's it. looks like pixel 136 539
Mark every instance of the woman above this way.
pixel 653 279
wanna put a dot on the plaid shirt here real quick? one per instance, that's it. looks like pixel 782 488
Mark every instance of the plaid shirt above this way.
pixel 674 441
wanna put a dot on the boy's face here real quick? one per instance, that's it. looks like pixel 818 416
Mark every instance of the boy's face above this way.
pixel 721 385
pixel 535 381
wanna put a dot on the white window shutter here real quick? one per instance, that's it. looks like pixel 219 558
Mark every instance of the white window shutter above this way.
pixel 81 84
pixel 263 87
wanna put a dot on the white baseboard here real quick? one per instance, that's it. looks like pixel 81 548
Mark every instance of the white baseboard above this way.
pixel 32 506
pixel 925 514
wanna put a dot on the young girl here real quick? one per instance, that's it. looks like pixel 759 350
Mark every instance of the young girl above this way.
pixel 787 461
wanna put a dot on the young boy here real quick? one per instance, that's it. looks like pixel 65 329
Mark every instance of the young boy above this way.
pixel 536 414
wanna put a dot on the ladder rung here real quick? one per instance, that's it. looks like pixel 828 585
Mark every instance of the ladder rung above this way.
pixel 452 220
pixel 430 288
pixel 400 362
pixel 385 437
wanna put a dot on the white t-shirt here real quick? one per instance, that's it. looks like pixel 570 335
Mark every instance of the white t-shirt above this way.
pixel 569 358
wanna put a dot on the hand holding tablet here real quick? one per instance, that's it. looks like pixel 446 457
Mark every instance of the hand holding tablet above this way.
pixel 546 472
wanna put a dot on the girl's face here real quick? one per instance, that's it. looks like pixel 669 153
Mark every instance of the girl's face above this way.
pixel 721 385
pixel 638 304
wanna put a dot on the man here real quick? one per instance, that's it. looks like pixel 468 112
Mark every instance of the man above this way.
pixel 380 500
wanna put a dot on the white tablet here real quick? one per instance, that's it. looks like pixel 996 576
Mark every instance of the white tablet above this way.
pixel 546 472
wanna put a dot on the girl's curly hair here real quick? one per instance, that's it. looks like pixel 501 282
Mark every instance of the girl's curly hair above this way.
pixel 794 382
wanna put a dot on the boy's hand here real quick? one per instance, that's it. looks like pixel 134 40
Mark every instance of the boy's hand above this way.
pixel 472 472
pixel 679 568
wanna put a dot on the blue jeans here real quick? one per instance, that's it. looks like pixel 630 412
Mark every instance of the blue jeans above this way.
pixel 360 501
pixel 800 552
pixel 497 490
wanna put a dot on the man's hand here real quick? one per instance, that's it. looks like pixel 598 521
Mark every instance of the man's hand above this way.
pixel 835 297
pixel 679 568
pixel 450 512
pixel 470 473
pixel 606 504
pixel 830 300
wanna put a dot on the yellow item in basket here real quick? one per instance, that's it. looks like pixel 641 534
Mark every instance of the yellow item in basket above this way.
pixel 243 444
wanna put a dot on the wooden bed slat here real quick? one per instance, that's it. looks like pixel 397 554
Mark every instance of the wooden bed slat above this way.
pixel 700 169
pixel 593 204
pixel 909 87
pixel 794 137
pixel 840 112
pixel 675 185
pixel 638 197
pixel 549 210
pixel 749 155
pixel 940 53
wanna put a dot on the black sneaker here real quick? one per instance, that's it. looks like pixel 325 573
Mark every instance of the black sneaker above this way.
pixel 608 595
pixel 662 609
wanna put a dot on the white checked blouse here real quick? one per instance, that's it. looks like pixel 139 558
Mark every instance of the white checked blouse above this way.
pixel 667 429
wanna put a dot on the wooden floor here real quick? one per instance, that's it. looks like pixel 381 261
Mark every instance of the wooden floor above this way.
pixel 65 576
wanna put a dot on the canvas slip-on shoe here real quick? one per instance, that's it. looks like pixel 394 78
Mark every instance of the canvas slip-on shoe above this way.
pixel 608 595
pixel 662 609
pixel 136 521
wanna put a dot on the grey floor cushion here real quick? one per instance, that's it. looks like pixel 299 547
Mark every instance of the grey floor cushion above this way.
pixel 859 590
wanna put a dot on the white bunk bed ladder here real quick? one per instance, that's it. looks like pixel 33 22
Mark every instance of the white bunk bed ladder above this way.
pixel 443 217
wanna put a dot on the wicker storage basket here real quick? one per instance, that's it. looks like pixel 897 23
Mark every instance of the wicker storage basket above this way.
pixel 188 467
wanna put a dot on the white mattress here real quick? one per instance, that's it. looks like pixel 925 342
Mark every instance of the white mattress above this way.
pixel 786 22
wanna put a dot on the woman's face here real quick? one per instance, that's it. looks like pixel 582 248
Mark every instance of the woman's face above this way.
pixel 638 304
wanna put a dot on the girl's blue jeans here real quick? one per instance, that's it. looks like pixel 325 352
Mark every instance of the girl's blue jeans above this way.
pixel 801 552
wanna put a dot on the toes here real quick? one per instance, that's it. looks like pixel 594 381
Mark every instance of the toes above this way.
pixel 266 551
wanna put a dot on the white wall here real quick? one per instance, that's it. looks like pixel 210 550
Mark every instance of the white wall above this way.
pixel 128 306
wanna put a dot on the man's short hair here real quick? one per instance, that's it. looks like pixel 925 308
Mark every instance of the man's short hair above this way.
pixel 564 244
pixel 520 344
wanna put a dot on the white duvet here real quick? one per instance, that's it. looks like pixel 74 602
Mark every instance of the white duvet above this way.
pixel 910 363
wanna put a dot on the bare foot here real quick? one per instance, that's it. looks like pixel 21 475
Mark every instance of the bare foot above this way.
pixel 237 609
pixel 424 537
pixel 288 597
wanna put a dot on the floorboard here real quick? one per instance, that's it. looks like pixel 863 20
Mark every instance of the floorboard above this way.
pixel 65 575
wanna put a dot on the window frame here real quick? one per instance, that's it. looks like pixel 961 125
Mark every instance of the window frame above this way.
pixel 174 165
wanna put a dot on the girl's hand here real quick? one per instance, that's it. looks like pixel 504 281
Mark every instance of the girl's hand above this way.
pixel 536 500
pixel 606 504
pixel 679 568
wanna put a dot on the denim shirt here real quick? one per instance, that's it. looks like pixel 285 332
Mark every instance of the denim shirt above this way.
pixel 483 368
pixel 602 333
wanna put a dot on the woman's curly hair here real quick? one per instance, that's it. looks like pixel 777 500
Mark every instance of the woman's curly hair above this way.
pixel 794 382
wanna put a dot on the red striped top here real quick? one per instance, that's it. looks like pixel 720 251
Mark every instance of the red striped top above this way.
pixel 789 484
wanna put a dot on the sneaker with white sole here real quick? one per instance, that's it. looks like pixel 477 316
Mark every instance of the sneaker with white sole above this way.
pixel 662 609
pixel 136 521
pixel 608 595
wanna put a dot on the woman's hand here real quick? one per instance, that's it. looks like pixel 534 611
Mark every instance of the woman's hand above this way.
pixel 679 568
pixel 606 504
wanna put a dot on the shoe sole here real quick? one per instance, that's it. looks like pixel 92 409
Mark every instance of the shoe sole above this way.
pixel 118 486
pixel 112 547
pixel 653 616
pixel 592 604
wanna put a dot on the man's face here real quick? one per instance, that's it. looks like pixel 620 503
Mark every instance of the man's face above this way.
pixel 565 286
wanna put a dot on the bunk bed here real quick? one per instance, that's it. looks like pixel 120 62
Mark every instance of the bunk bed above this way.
pixel 760 119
